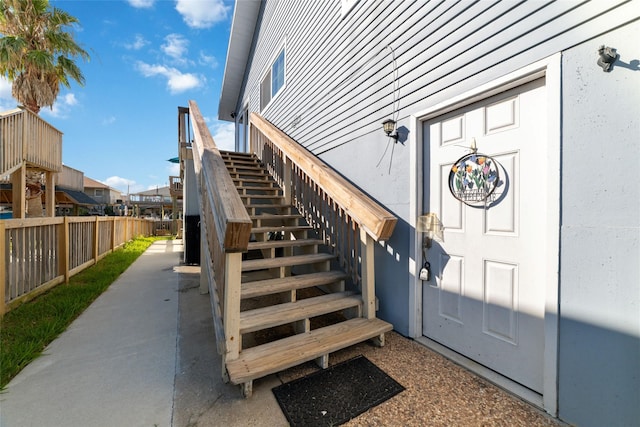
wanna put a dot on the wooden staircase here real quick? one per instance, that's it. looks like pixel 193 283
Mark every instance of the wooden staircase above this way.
pixel 296 305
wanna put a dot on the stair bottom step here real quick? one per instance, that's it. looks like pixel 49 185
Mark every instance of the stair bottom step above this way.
pixel 276 356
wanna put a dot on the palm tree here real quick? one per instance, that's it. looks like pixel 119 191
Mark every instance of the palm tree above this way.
pixel 36 52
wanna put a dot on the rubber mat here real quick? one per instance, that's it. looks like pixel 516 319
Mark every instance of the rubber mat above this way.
pixel 335 395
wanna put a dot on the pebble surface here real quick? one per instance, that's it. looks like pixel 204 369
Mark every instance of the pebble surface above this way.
pixel 437 391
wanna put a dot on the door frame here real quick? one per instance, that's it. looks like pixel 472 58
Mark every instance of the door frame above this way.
pixel 550 68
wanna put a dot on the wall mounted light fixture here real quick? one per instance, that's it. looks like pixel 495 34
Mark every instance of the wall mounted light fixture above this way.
pixel 607 56
pixel 389 126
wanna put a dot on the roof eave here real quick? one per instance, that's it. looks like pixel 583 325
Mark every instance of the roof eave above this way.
pixel 245 16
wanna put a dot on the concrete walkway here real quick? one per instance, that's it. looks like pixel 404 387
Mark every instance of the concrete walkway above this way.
pixel 141 355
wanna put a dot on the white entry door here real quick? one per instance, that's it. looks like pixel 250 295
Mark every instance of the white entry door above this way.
pixel 486 295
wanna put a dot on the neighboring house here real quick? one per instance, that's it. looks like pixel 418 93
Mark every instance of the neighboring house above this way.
pixel 154 203
pixel 536 286
pixel 70 196
pixel 102 193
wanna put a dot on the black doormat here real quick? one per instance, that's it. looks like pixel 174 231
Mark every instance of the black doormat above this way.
pixel 335 395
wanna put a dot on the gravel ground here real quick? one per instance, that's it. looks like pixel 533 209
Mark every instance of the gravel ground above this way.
pixel 438 392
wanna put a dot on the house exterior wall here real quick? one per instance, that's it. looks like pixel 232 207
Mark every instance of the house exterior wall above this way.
pixel 599 347
pixel 345 75
pixel 70 178
pixel 339 83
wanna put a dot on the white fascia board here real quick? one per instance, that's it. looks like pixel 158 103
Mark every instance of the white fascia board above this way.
pixel 245 15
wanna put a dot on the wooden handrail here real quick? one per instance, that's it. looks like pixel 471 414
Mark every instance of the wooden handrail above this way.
pixel 232 221
pixel 372 217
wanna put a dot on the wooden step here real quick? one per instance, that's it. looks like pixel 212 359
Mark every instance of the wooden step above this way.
pixel 241 169
pixel 265 180
pixel 279 228
pixel 281 314
pixel 285 261
pixel 268 244
pixel 268 216
pixel 257 188
pixel 276 356
pixel 237 154
pixel 252 174
pixel 261 196
pixel 242 161
pixel 260 288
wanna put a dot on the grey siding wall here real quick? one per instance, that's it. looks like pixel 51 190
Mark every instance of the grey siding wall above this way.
pixel 599 345
pixel 340 87
pixel 340 81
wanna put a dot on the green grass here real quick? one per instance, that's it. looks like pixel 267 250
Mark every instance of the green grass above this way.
pixel 29 328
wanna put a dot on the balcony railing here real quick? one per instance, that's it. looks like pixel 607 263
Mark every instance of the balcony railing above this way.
pixel 175 186
pixel 27 139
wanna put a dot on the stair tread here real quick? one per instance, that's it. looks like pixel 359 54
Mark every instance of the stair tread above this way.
pixel 281 314
pixel 266 179
pixel 259 361
pixel 261 196
pixel 286 261
pixel 281 284
pixel 275 216
pixel 269 206
pixel 270 228
pixel 258 188
pixel 284 243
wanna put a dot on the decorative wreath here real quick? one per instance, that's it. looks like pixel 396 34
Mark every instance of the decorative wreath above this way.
pixel 473 178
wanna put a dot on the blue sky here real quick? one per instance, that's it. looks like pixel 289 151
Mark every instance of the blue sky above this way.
pixel 147 58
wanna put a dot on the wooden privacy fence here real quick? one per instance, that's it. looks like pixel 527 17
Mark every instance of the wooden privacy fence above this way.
pixel 40 253
pixel 346 219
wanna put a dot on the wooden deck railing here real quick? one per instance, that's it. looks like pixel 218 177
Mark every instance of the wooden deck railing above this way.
pixel 26 138
pixel 39 253
pixel 175 186
pixel 348 220
pixel 225 228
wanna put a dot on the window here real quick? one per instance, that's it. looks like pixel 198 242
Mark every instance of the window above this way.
pixel 97 192
pixel 273 81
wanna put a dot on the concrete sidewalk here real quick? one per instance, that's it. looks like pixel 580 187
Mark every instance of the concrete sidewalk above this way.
pixel 140 355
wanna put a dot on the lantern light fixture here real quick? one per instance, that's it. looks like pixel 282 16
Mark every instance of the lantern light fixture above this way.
pixel 389 126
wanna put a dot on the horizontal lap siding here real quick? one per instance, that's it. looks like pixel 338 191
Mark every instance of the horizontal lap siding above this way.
pixel 339 71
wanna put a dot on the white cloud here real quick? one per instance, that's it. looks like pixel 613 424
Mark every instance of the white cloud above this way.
pixel 173 169
pixel 207 60
pixel 138 43
pixel 108 120
pixel 6 100
pixel 141 4
pixel 5 88
pixel 202 14
pixel 69 99
pixel 176 47
pixel 223 135
pixel 177 82
pixel 123 184
pixel 62 107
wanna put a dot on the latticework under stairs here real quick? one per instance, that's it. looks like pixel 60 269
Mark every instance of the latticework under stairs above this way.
pixel 295 305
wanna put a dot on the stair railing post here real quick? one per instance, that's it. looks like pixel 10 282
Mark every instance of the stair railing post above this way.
pixel 367 275
pixel 231 310
pixel 286 180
